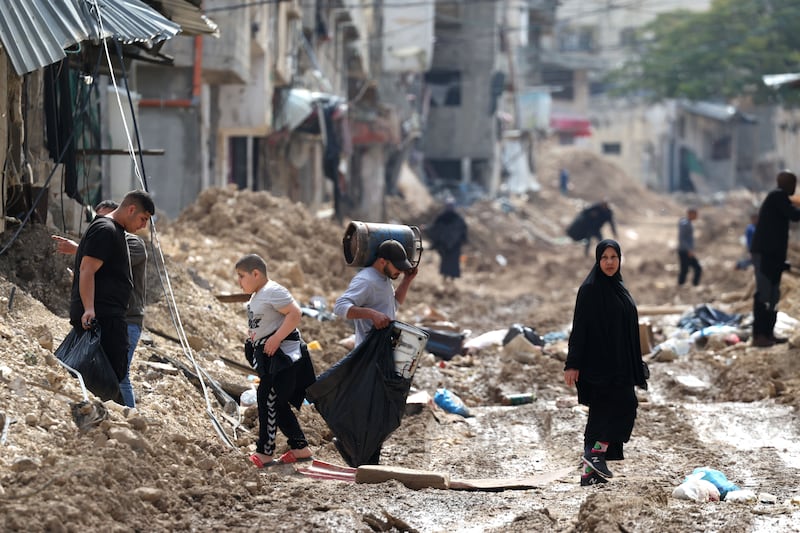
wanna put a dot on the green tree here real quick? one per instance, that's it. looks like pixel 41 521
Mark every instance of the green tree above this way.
pixel 717 55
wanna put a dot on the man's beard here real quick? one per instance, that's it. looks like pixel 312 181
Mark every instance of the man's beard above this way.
pixel 388 272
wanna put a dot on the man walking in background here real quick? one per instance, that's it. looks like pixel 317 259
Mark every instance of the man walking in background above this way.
pixel 686 253
pixel 768 252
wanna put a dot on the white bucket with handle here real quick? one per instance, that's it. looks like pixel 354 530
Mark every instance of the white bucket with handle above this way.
pixel 407 343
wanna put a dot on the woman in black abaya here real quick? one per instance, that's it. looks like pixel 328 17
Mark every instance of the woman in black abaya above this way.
pixel 605 361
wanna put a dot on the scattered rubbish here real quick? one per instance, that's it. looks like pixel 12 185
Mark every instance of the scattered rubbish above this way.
pixel 697 489
pixel 444 344
pixel 501 260
pixel 485 340
pixel 517 399
pixel 416 402
pixel 11 297
pixel 671 349
pixel 691 382
pixel 248 397
pixel 314 346
pixel 520 349
pixel 743 496
pixel 527 332
pixel 88 414
pixel 318 308
pixel 704 315
pixel 766 497
pixel 717 478
pixel 554 336
pixel 6 422
pixel 450 402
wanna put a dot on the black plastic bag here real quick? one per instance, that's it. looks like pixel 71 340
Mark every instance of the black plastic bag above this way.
pixel 362 398
pixel 704 315
pixel 82 352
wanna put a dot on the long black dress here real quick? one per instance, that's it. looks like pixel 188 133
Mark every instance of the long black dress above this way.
pixel 604 347
pixel 448 234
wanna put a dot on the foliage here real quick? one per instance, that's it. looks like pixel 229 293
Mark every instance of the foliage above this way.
pixel 720 54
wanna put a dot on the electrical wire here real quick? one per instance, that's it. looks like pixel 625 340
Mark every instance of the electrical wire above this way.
pixel 156 245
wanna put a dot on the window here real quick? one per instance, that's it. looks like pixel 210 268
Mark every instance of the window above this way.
pixel 612 148
pixel 448 15
pixel 721 148
pixel 627 38
pixel 560 78
pixel 445 87
pixel 581 39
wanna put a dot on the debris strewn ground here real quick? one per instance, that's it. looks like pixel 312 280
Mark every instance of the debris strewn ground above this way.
pixel 164 468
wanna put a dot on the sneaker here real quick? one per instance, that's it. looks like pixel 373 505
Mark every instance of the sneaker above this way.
pixel 592 479
pixel 778 340
pixel 597 462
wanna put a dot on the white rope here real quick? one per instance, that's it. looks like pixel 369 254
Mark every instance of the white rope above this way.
pixel 172 304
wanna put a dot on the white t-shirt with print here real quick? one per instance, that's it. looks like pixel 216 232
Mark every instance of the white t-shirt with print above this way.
pixel 263 317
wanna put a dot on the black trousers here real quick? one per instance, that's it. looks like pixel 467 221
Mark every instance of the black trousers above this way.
pixel 274 414
pixel 114 339
pixel 687 262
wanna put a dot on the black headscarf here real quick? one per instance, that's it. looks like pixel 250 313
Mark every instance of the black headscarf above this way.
pixel 604 343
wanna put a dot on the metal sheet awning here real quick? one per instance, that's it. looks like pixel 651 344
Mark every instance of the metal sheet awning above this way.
pixel 776 81
pixel 35 33
pixel 188 15
pixel 571 125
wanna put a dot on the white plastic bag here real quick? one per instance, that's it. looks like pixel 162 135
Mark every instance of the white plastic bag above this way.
pixel 696 489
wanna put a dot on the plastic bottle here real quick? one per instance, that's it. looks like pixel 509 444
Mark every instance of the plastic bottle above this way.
pixel 517 399
pixel 450 402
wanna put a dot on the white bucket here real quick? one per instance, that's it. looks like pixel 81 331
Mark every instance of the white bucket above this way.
pixel 407 344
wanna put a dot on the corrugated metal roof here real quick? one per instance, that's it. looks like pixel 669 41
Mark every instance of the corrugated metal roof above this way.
pixel 34 33
pixel 188 15
pixel 776 81
pixel 128 21
pixel 716 111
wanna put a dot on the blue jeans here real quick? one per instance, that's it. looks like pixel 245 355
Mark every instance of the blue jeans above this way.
pixel 125 387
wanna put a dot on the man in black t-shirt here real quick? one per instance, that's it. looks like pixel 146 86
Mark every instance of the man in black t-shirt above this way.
pixel 768 252
pixel 102 283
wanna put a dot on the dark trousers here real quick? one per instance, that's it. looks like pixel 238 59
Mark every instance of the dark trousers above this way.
pixel 687 262
pixel 587 242
pixel 114 340
pixel 768 293
pixel 274 414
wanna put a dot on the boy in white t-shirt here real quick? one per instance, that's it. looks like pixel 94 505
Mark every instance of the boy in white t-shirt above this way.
pixel 273 348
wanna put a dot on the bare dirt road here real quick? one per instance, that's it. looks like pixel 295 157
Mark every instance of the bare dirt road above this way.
pixel 164 467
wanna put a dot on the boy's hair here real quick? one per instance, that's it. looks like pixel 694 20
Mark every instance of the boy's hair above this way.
pixel 106 204
pixel 141 199
pixel 252 262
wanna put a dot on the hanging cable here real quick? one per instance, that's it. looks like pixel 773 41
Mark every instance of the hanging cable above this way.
pixel 169 293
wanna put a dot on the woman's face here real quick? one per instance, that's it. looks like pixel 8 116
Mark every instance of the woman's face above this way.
pixel 609 261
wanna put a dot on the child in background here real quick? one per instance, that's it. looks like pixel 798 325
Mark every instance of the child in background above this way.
pixel 744 264
pixel 280 357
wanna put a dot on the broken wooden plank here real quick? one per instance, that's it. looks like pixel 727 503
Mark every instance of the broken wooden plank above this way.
pixel 232 298
pixel 652 310
pixel 411 478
